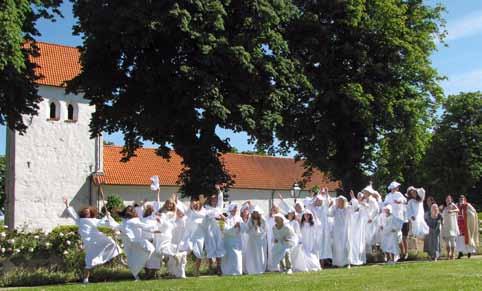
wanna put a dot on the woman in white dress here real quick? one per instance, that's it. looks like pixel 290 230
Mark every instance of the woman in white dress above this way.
pixel 306 253
pixel 99 249
pixel 194 234
pixel 176 265
pixel 341 232
pixel 256 249
pixel 213 240
pixel 244 213
pixel 137 249
pixel 450 228
pixel 415 212
pixel 320 207
pixel 284 240
pixel 269 225
pixel 358 221
pixel 154 262
pixel 232 262
pixel 392 234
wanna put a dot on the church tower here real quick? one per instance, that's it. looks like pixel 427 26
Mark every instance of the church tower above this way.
pixel 56 157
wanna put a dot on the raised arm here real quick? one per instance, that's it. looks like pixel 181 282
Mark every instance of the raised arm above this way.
pixel 70 210
pixel 220 197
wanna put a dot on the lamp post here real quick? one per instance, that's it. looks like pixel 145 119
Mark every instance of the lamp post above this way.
pixel 295 192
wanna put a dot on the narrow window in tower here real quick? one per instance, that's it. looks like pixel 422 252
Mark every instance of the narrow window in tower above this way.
pixel 70 112
pixel 53 111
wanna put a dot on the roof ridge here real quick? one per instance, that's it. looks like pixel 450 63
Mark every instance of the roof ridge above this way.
pixel 237 154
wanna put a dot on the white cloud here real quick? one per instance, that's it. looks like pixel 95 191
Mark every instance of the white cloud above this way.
pixel 467 26
pixel 464 82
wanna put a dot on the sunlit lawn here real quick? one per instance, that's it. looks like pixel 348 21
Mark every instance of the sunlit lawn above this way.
pixel 465 274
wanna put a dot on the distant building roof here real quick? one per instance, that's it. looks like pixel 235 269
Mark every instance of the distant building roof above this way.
pixel 250 171
pixel 56 64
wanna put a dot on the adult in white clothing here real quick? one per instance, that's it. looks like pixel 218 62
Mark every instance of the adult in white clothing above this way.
pixel 257 245
pixel 232 262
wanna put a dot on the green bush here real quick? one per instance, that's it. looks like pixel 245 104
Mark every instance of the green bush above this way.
pixel 114 205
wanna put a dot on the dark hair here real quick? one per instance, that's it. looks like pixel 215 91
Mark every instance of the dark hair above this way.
pixel 94 212
pixel 445 201
pixel 129 212
pixel 84 212
pixel 148 211
pixel 310 221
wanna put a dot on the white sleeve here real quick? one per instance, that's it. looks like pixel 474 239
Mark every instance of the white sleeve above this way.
pixel 284 207
pixel 71 212
pixel 220 200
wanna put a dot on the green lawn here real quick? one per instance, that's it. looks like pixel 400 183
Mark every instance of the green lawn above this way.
pixel 462 274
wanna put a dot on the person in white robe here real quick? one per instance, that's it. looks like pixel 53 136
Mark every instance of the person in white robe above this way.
pixel 296 209
pixel 244 213
pixel 137 249
pixel 213 240
pixel 284 240
pixel 358 221
pixel 154 262
pixel 99 249
pixel 415 212
pixel 450 228
pixel 320 207
pixel 371 199
pixel 341 232
pixel 399 205
pixel 176 265
pixel 232 262
pixel 269 224
pixel 306 254
pixel 392 235
pixel 193 240
pixel 257 245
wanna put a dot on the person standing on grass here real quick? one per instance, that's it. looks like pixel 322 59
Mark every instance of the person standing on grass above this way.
pixel 428 206
pixel 306 254
pixel 415 213
pixel 284 240
pixel 257 245
pixel 244 214
pixel 450 228
pixel 432 240
pixel 99 249
pixel 232 262
pixel 467 219
pixel 392 234
pixel 341 213
pixel 398 203
pixel 270 224
pixel 320 207
pixel 358 221
pixel 213 240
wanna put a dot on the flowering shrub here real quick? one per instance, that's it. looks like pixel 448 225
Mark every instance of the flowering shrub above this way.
pixel 61 249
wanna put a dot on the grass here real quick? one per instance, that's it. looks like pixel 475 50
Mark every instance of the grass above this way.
pixel 462 274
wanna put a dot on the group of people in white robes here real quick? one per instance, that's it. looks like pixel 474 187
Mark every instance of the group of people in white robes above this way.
pixel 241 239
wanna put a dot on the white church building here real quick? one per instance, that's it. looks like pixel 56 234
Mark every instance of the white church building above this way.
pixel 57 158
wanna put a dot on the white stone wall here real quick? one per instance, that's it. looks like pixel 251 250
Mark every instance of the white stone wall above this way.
pixel 53 159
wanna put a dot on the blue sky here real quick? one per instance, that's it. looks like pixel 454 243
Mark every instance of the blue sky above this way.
pixel 460 62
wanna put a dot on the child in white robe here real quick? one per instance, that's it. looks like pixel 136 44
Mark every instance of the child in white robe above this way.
pixel 415 212
pixel 284 240
pixel 269 224
pixel 399 205
pixel 213 239
pixel 357 235
pixel 194 234
pixel 176 264
pixel 257 246
pixel 392 235
pixel 244 213
pixel 154 262
pixel 306 254
pixel 341 232
pixel 232 262
pixel 137 249
pixel 99 249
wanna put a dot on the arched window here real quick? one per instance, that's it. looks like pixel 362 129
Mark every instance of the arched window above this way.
pixel 53 111
pixel 70 112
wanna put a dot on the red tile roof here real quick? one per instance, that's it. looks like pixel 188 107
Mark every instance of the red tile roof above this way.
pixel 57 64
pixel 251 171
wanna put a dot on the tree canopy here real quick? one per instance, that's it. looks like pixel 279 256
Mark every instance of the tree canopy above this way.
pixel 18 92
pixel 339 81
pixel 453 164
pixel 368 62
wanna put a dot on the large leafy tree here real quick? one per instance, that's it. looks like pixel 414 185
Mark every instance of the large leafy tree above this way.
pixel 453 164
pixel 18 92
pixel 368 62
pixel 173 71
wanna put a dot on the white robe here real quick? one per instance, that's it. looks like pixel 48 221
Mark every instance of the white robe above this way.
pixel 357 236
pixel 341 235
pixel 154 261
pixel 419 227
pixel 232 262
pixel 256 249
pixel 176 265
pixel 284 240
pixel 306 254
pixel 213 239
pixel 392 234
pixel 244 244
pixel 99 249
pixel 269 235
pixel 321 215
pixel 398 209
pixel 137 249
pixel 194 233
pixel 371 226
